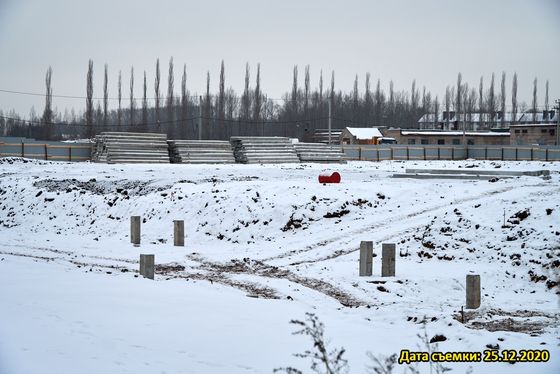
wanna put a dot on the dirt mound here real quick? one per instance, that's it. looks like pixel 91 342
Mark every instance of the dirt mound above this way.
pixel 93 186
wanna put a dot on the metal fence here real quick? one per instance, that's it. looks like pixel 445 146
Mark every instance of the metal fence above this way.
pixel 54 151
pixel 58 151
pixel 432 152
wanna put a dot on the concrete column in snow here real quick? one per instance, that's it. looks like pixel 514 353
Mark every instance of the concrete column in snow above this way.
pixel 473 291
pixel 366 259
pixel 135 230
pixel 179 233
pixel 147 265
pixel 388 252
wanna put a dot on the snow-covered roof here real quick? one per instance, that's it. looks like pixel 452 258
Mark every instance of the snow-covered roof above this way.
pixel 533 124
pixel 539 117
pixel 365 132
pixel 485 117
pixel 453 133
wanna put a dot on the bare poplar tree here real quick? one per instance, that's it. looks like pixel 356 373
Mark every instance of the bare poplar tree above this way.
pixel 207 101
pixel 306 92
pixel 184 101
pixel 425 104
pixel 413 102
pixel 257 104
pixel 447 106
pixel 222 93
pixel 145 103
pixel 481 115
pixel 547 117
pixel 355 100
pixel 321 88
pixel 534 106
pixel 294 97
pixel 472 105
pixel 391 103
pixel 503 100
pixel 89 99
pixel 492 101
pixel 368 100
pixel 156 91
pixel 246 100
pixel 47 113
pixel 424 100
pixel 170 100
pixel 464 103
pixel 458 100
pixel 514 100
pixel 378 104
pixel 436 111
pixel 332 91
pixel 131 96
pixel 105 96
pixel 119 99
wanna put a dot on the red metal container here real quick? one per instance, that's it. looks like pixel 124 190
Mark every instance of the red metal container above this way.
pixel 329 178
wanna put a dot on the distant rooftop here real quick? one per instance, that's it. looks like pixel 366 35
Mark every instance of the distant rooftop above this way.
pixel 365 132
pixel 540 116
pixel 453 133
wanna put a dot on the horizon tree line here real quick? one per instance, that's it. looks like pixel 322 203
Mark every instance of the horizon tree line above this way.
pixel 298 113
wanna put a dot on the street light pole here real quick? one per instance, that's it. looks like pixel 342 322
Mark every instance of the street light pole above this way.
pixel 464 133
pixel 330 121
pixel 557 121
pixel 200 118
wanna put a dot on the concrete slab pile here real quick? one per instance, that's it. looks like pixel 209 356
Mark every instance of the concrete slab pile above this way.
pixel 319 152
pixel 263 150
pixel 130 147
pixel 493 172
pixel 474 174
pixel 201 152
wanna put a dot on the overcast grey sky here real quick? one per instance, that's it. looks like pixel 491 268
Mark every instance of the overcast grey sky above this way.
pixel 430 41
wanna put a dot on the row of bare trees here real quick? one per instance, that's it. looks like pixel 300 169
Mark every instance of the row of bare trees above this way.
pixel 488 107
pixel 298 113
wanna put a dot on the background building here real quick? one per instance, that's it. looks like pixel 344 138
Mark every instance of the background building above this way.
pixel 484 121
pixel 541 134
pixel 423 137
pixel 358 135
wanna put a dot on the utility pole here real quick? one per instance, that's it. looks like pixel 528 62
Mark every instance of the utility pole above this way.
pixel 200 118
pixel 330 121
pixel 557 122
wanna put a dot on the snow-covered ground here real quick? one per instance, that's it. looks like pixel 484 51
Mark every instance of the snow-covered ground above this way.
pixel 264 245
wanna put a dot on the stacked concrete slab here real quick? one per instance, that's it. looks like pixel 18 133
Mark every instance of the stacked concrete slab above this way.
pixel 470 174
pixel 319 152
pixel 322 136
pixel 131 147
pixel 200 152
pixel 263 150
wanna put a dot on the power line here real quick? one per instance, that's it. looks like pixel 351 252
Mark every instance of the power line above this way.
pixel 163 99
pixel 257 122
pixel 33 122
pixel 134 99
pixel 70 124
pixel 84 97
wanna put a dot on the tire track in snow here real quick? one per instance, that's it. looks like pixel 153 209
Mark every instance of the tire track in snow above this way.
pixel 342 252
pixel 68 259
pixel 387 237
pixel 70 253
pixel 169 271
pixel 259 268
pixel 377 225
